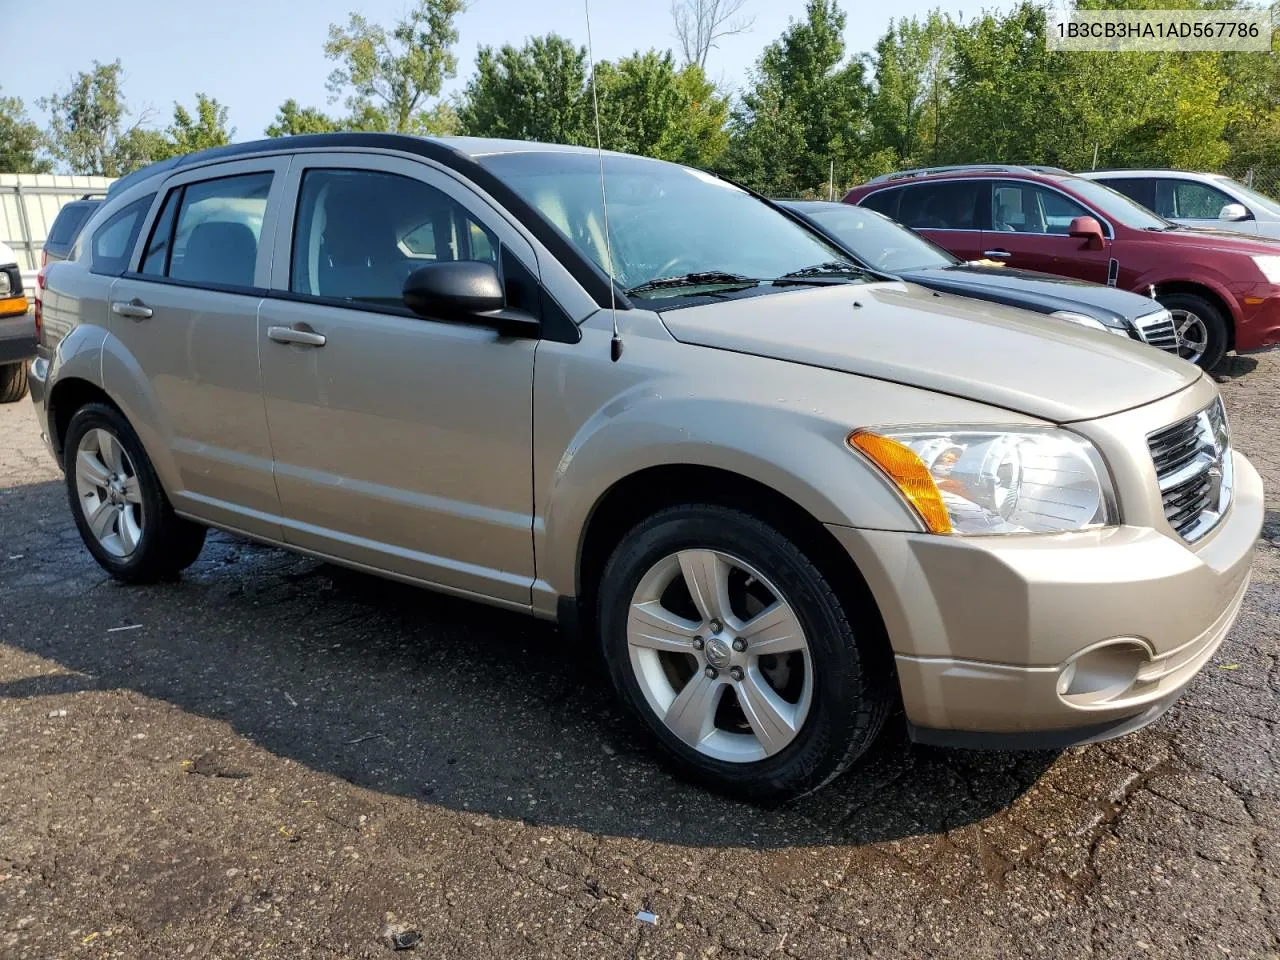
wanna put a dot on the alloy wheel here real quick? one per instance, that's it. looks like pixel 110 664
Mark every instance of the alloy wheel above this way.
pixel 110 495
pixel 720 655
pixel 1192 334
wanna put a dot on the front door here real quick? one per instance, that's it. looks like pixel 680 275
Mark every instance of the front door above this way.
pixel 187 316
pixel 1029 223
pixel 400 442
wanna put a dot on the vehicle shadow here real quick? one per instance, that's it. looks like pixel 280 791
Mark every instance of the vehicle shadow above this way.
pixel 1234 367
pixel 409 693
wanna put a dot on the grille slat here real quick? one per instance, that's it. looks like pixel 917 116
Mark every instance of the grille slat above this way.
pixel 1159 331
pixel 1189 458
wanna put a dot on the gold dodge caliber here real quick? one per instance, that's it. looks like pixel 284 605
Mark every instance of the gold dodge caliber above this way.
pixel 783 493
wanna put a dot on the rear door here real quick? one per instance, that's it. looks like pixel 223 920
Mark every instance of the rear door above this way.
pixel 188 316
pixel 1029 223
pixel 951 213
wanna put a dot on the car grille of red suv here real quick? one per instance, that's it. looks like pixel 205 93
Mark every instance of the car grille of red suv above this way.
pixel 1193 466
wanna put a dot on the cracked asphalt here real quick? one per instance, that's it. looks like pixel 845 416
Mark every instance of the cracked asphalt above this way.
pixel 274 758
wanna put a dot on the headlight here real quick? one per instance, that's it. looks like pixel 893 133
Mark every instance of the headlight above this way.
pixel 1269 265
pixel 1085 320
pixel 980 481
pixel 5 284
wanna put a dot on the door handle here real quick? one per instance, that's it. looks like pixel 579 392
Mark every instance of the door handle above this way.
pixel 305 338
pixel 997 254
pixel 135 309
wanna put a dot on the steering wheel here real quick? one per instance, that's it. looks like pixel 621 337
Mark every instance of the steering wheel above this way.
pixel 886 256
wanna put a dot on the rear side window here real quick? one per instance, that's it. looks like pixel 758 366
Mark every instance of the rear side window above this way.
pixel 883 201
pixel 360 233
pixel 213 239
pixel 1138 189
pixel 951 205
pixel 112 243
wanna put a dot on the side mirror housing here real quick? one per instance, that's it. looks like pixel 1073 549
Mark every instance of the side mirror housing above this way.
pixel 465 291
pixel 1234 211
pixel 1087 228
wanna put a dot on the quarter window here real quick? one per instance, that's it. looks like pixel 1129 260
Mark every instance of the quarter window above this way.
pixel 360 233
pixel 1028 208
pixel 113 242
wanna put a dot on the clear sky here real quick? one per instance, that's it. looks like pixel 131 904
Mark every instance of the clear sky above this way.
pixel 253 54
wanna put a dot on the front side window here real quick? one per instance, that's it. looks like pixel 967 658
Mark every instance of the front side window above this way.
pixel 948 205
pixel 1189 200
pixel 358 235
pixel 664 220
pixel 1030 208
pixel 112 243
pixel 219 223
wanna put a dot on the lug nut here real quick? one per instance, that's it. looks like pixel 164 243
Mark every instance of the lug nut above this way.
pixel 739 644
pixel 735 672
pixel 716 626
pixel 712 673
pixel 698 643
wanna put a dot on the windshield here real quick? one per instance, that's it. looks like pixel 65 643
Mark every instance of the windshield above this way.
pixel 665 220
pixel 1117 206
pixel 875 239
pixel 1253 196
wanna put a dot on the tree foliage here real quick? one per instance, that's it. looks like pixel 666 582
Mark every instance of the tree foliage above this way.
pixel 201 130
pixel 20 140
pixel 90 130
pixel 388 76
pixel 534 92
pixel 293 120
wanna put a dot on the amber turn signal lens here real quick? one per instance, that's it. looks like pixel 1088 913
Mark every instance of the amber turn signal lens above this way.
pixel 909 474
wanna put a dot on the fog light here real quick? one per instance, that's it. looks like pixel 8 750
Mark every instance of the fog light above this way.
pixel 1104 672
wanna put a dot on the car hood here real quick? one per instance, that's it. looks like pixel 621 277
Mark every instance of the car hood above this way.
pixel 907 334
pixel 1042 292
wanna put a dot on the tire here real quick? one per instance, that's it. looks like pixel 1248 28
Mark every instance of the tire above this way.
pixel 143 540
pixel 1208 317
pixel 13 382
pixel 848 674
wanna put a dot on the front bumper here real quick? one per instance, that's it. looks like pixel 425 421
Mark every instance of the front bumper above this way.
pixel 17 337
pixel 1259 324
pixel 984 629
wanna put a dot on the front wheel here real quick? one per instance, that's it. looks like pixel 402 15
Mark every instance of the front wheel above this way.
pixel 731 646
pixel 13 382
pixel 122 512
pixel 1200 328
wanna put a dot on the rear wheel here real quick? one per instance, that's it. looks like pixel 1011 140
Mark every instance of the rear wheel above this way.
pixel 732 648
pixel 122 512
pixel 1200 327
pixel 13 382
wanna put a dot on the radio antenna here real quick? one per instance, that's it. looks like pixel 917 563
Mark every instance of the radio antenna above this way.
pixel 615 345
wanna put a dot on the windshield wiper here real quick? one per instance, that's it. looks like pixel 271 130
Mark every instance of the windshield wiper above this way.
pixel 833 271
pixel 705 278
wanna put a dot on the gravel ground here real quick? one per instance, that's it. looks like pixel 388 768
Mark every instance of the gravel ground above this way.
pixel 275 758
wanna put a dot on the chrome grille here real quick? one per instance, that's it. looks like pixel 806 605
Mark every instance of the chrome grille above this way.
pixel 1158 330
pixel 1193 466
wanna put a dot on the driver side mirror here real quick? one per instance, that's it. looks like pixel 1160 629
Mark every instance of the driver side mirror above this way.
pixel 1087 228
pixel 466 291
pixel 1234 211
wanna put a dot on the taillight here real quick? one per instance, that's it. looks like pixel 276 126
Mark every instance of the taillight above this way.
pixel 44 258
pixel 39 307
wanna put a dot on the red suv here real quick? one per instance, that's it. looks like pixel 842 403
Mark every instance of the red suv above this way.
pixel 1222 290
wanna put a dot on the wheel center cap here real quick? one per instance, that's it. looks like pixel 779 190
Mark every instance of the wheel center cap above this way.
pixel 718 653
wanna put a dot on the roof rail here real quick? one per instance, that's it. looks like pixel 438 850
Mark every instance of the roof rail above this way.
pixel 968 168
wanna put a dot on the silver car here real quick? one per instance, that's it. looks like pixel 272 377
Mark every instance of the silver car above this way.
pixel 783 495
pixel 1205 200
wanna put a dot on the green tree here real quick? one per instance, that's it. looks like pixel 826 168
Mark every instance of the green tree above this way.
pixel 388 76
pixel 649 107
pixel 535 92
pixel 89 126
pixel 206 128
pixel 20 140
pixel 911 70
pixel 805 110
pixel 293 120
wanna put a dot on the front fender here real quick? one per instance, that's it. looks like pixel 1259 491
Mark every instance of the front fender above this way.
pixel 1161 275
